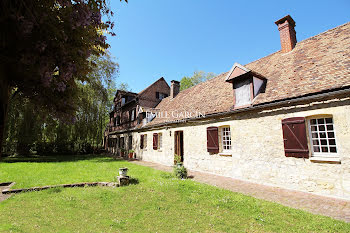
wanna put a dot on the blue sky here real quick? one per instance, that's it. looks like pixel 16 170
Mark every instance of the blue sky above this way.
pixel 174 38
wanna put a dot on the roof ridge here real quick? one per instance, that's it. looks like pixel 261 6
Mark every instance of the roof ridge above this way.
pixel 303 41
pixel 153 84
pixel 201 83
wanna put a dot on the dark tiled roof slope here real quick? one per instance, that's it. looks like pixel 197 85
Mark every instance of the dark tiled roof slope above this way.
pixel 316 64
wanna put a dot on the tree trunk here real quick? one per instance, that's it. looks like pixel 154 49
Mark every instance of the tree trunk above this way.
pixel 4 99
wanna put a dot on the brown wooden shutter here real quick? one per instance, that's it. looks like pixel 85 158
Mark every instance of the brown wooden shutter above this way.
pixel 294 137
pixel 213 139
pixel 155 141
pixel 141 141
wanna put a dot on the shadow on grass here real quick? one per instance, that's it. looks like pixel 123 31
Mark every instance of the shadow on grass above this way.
pixel 133 180
pixel 60 158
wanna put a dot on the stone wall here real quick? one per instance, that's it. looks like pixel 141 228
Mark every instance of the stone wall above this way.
pixel 258 151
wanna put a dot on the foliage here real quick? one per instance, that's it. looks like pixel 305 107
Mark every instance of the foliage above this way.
pixel 124 87
pixel 45 46
pixel 177 158
pixel 150 206
pixel 196 78
pixel 180 171
pixel 33 129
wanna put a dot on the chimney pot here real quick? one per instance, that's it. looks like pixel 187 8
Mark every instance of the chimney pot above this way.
pixel 287 33
pixel 174 88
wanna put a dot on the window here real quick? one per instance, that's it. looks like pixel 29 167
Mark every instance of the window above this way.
pixel 143 141
pixel 226 138
pixel 155 141
pixel 322 136
pixel 130 142
pixel 160 141
pixel 242 93
pixel 214 145
pixel 132 115
pixel 123 100
pixel 121 142
pixel 160 95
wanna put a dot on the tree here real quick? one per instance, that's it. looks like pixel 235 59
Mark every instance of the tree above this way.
pixel 124 87
pixel 44 47
pixel 196 78
pixel 30 129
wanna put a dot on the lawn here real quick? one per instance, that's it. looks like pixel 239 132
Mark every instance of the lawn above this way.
pixel 158 203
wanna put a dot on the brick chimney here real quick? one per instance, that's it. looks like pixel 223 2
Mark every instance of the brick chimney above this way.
pixel 175 88
pixel 287 33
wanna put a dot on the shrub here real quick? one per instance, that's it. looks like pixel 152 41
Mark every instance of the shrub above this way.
pixel 180 172
pixel 177 159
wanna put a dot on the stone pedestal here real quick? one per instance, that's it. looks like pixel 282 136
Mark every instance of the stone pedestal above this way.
pixel 123 180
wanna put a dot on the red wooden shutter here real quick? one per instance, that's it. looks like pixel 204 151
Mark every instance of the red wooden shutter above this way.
pixel 213 139
pixel 294 137
pixel 155 141
pixel 141 141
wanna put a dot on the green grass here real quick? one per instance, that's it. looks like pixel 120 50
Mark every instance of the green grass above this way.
pixel 158 203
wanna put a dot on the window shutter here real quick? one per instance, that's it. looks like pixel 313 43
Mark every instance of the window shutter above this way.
pixel 155 141
pixel 213 139
pixel 141 141
pixel 294 137
pixel 157 95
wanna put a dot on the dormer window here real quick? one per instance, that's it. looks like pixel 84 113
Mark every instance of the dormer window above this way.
pixel 246 84
pixel 123 100
pixel 160 95
pixel 242 92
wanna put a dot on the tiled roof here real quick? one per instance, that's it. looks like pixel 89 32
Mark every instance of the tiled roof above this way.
pixel 316 64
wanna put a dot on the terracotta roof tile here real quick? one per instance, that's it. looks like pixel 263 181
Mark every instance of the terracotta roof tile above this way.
pixel 316 64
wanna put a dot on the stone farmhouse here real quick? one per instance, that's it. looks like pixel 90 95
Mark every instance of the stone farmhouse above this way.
pixel 282 120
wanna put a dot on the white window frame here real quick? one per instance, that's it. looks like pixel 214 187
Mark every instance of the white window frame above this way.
pixel 226 139
pixel 160 141
pixel 311 139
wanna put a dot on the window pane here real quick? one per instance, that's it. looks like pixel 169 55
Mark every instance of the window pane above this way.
pixel 322 135
pixel 333 149
pixel 316 149
pixel 314 135
pixel 315 142
pixel 313 128
pixel 330 134
pixel 331 141
pixel 329 120
pixel 320 121
pixel 323 142
pixel 321 128
pixel 313 121
pixel 324 149
pixel 329 127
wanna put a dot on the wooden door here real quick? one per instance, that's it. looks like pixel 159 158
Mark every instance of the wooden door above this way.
pixel 179 144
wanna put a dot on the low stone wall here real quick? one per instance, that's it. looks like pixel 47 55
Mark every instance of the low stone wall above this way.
pixel 85 184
